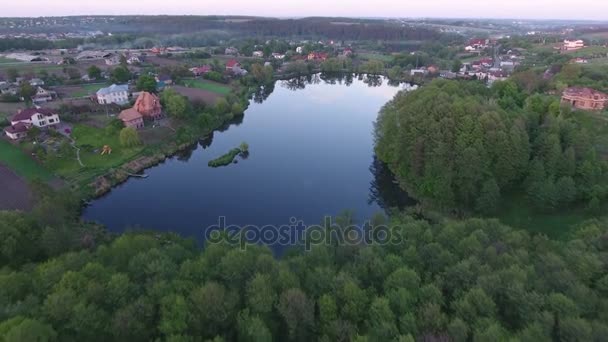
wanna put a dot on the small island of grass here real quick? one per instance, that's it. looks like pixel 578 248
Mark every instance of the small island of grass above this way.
pixel 228 158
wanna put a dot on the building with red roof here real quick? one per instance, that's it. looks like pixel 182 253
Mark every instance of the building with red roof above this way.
pixel 231 64
pixel 17 131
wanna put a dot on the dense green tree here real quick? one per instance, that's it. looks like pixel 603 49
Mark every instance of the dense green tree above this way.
pixel 175 104
pixel 129 137
pixel 146 83
pixel 94 72
pixel 120 74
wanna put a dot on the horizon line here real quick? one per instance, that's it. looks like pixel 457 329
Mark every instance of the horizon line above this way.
pixel 309 16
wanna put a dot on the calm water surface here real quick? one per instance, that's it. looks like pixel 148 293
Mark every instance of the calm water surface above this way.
pixel 310 155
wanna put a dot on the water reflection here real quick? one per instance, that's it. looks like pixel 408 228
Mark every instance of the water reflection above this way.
pixel 384 190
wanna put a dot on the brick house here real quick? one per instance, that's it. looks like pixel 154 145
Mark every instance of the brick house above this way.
pixel 585 98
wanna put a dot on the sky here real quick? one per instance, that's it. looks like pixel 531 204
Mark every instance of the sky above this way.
pixel 516 9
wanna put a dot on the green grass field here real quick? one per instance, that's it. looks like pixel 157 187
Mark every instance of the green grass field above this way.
pixel 21 163
pixel 4 60
pixel 91 141
pixel 209 86
pixel 87 90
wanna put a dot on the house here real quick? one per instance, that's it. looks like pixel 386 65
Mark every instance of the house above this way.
pixel 39 117
pixel 199 71
pixel 347 52
pixel 486 62
pixel 432 69
pixel 579 60
pixel 158 50
pixel 35 82
pixel 585 98
pixel 418 72
pixel 448 74
pixel 131 118
pixel 113 60
pixel 232 64
pixel 7 88
pixel 478 43
pixel 118 94
pixel 259 54
pixel 165 79
pixel 148 105
pixel 277 55
pixel 231 51
pixel 300 49
pixel 571 45
pixel 134 60
pixel 317 56
pixel 42 95
pixel 17 131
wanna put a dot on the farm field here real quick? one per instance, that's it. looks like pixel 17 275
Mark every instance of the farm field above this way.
pixel 370 56
pixel 197 94
pixel 15 194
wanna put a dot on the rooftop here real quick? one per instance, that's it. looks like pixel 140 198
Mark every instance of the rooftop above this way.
pixel 26 114
pixel 114 88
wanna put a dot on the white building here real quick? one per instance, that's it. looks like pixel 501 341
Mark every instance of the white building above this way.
pixel 259 54
pixel 39 117
pixel 118 94
pixel 570 45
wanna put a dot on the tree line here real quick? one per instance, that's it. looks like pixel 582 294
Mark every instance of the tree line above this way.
pixel 474 280
pixel 461 146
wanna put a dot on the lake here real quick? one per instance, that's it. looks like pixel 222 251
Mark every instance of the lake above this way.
pixel 310 155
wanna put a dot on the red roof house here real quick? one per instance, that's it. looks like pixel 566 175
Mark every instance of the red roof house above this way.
pixel 232 63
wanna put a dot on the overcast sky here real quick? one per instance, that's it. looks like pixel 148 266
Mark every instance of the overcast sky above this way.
pixel 520 9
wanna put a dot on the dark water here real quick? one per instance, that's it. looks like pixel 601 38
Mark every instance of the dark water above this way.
pixel 310 155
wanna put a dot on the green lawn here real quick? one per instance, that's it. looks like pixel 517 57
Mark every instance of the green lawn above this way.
pixel 91 141
pixel 21 163
pixel 4 60
pixel 209 86
pixel 87 90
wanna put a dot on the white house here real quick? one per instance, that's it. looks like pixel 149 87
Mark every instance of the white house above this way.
pixel 118 94
pixel 39 117
pixel 300 49
pixel 277 55
pixel 570 45
pixel 259 54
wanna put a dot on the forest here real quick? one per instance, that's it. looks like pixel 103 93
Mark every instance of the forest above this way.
pixel 461 147
pixel 472 280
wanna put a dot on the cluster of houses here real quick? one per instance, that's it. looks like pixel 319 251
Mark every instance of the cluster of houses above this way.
pixel 41 96
pixel 233 67
pixel 147 106
pixel 25 119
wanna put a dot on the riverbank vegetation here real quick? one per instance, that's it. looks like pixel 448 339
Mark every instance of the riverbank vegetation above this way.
pixel 225 159
pixel 462 281
pixel 460 147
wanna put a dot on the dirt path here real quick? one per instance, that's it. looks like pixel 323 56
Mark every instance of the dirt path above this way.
pixel 15 194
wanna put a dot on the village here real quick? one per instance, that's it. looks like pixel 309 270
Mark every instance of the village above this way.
pixel 58 103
